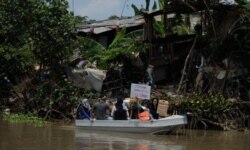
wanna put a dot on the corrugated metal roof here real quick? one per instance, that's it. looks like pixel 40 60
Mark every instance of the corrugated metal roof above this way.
pixel 96 30
pixel 107 25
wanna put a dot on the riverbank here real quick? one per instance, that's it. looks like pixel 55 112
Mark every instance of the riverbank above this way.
pixel 204 111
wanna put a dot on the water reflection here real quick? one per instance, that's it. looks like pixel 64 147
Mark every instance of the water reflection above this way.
pixel 123 141
pixel 57 136
pixel 21 136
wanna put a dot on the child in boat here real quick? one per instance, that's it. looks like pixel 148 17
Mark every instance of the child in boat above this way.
pixel 83 110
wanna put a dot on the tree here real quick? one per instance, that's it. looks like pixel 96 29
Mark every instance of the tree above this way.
pixel 113 17
pixel 179 28
pixel 81 19
pixel 34 32
pixel 138 11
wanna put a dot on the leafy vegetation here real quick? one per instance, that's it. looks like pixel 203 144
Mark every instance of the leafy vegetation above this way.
pixel 83 20
pixel 113 17
pixel 27 118
pixel 138 11
pixel 37 33
pixel 208 111
pixel 124 46
pixel 175 26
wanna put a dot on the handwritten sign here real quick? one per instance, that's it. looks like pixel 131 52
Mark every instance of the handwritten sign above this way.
pixel 140 90
pixel 162 108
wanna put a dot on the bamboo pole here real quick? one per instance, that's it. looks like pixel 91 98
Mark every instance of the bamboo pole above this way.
pixel 185 65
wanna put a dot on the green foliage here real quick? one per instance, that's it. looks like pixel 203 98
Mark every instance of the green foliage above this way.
pixel 81 19
pixel 42 29
pixel 15 43
pixel 27 118
pixel 181 29
pixel 113 17
pixel 37 32
pixel 154 7
pixel 137 34
pixel 90 49
pixel 55 37
pixel 209 108
pixel 122 47
pixel 159 28
pixel 123 51
pixel 61 96
pixel 161 3
pixel 138 11
pixel 147 4
pixel 157 25
pixel 212 106
pixel 205 108
pixel 33 32
pixel 244 3
pixel 178 27
pixel 118 38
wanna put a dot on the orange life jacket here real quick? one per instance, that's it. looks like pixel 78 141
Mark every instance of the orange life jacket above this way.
pixel 144 116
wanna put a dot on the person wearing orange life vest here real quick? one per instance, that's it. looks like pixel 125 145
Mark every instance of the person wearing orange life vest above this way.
pixel 143 111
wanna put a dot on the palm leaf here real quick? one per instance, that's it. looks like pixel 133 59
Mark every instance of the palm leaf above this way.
pixel 159 28
pixel 91 48
pixel 136 10
pixel 118 37
pixel 147 4
pixel 134 34
pixel 154 6
pixel 161 4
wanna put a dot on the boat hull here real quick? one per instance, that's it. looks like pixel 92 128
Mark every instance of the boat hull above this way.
pixel 167 124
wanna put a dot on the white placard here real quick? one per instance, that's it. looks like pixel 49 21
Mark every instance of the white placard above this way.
pixel 141 91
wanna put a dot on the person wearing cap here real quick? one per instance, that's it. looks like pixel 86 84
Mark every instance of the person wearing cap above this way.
pixel 83 110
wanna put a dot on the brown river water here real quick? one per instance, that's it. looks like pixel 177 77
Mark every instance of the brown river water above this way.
pixel 58 136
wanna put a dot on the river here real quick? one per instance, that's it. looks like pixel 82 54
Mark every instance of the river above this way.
pixel 58 136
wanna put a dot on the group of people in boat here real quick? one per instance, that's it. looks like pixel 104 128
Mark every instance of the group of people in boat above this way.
pixel 108 109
